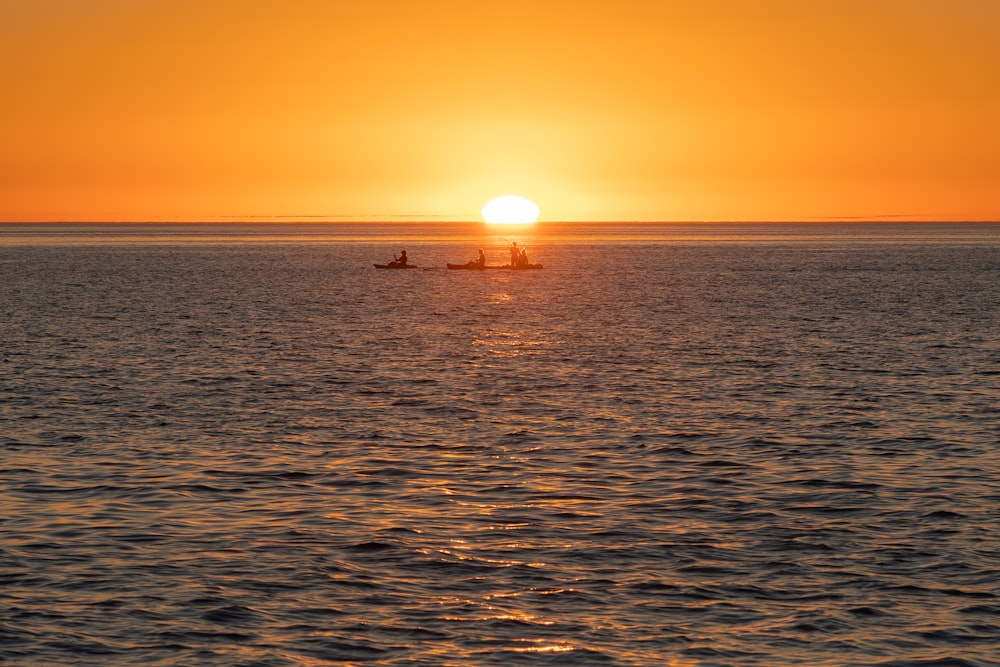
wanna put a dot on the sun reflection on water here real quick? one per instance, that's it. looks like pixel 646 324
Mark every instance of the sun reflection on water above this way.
pixel 499 298
pixel 506 343
pixel 541 648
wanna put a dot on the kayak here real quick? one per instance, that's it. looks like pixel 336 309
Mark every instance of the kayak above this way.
pixel 505 267
pixel 395 265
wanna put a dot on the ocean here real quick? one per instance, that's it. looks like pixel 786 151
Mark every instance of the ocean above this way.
pixel 675 445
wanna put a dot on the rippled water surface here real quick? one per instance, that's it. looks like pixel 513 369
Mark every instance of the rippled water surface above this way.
pixel 703 445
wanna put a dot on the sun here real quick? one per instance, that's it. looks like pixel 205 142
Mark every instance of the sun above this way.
pixel 510 209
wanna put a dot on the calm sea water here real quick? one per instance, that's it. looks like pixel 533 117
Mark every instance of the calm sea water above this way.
pixel 675 445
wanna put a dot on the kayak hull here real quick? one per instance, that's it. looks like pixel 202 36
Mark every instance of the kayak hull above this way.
pixel 394 265
pixel 505 267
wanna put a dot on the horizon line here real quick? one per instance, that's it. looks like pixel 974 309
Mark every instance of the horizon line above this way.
pixel 404 219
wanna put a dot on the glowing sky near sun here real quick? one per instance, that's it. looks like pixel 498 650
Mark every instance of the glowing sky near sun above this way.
pixel 393 109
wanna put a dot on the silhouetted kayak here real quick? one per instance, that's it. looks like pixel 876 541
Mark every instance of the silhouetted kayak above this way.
pixel 507 267
pixel 395 265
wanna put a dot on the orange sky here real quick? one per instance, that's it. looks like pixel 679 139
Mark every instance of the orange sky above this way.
pixel 597 110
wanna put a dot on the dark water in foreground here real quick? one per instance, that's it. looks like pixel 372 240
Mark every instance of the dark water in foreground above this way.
pixel 674 446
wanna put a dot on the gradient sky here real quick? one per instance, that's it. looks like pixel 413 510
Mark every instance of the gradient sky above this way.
pixel 129 110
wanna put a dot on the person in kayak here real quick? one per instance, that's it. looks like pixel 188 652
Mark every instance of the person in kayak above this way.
pixel 515 254
pixel 481 260
pixel 401 260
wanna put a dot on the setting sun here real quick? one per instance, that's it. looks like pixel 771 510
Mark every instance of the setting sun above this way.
pixel 510 209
